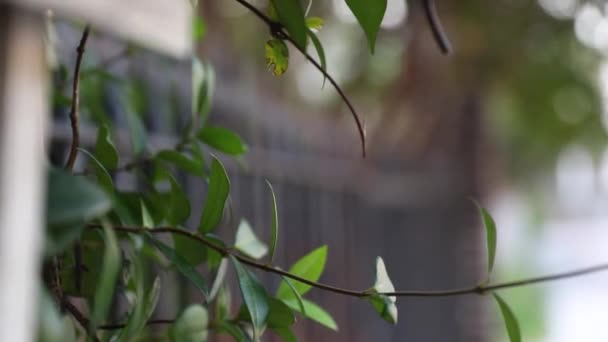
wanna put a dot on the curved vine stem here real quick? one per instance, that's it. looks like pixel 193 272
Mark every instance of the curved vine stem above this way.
pixel 477 289
pixel 276 27
pixel 74 111
pixel 441 38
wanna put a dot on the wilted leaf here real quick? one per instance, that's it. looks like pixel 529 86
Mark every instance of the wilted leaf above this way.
pixel 277 56
pixel 146 219
pixel 314 23
pixel 384 305
pixel 248 243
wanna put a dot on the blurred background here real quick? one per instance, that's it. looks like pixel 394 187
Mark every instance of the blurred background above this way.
pixel 516 118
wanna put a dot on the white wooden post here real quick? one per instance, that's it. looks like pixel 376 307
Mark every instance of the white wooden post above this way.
pixel 23 116
pixel 164 25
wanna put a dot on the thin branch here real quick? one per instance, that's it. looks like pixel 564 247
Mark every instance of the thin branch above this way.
pixel 122 325
pixel 478 289
pixel 80 318
pixel 74 111
pixel 441 38
pixel 277 29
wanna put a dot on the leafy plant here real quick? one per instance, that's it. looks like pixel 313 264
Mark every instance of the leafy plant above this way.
pixel 100 237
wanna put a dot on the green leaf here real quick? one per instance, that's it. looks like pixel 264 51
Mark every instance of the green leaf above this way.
pixel 145 304
pixel 280 314
pixel 92 252
pixel 189 249
pixel 285 333
pixel 110 268
pixel 276 54
pixel 384 305
pixel 52 326
pixel 254 296
pixel 291 15
pixel 314 312
pixel 179 204
pixel 319 47
pixel 248 243
pixel 233 330
pixel 146 219
pixel 219 187
pixel 510 320
pixel 370 15
pixel 203 86
pixel 490 227
pixel 198 28
pixel 191 326
pixel 105 151
pixel 272 14
pixel 219 279
pixel 213 257
pixel 296 294
pixel 183 266
pixel 137 132
pixel 274 236
pixel 103 177
pixel 182 162
pixel 73 200
pixel 222 139
pixel 309 267
pixel 315 23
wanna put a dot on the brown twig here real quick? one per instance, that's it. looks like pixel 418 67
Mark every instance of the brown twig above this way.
pixel 441 38
pixel 122 325
pixel 477 289
pixel 277 29
pixel 74 111
pixel 80 318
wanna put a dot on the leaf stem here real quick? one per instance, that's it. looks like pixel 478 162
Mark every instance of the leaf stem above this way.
pixel 441 38
pixel 277 29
